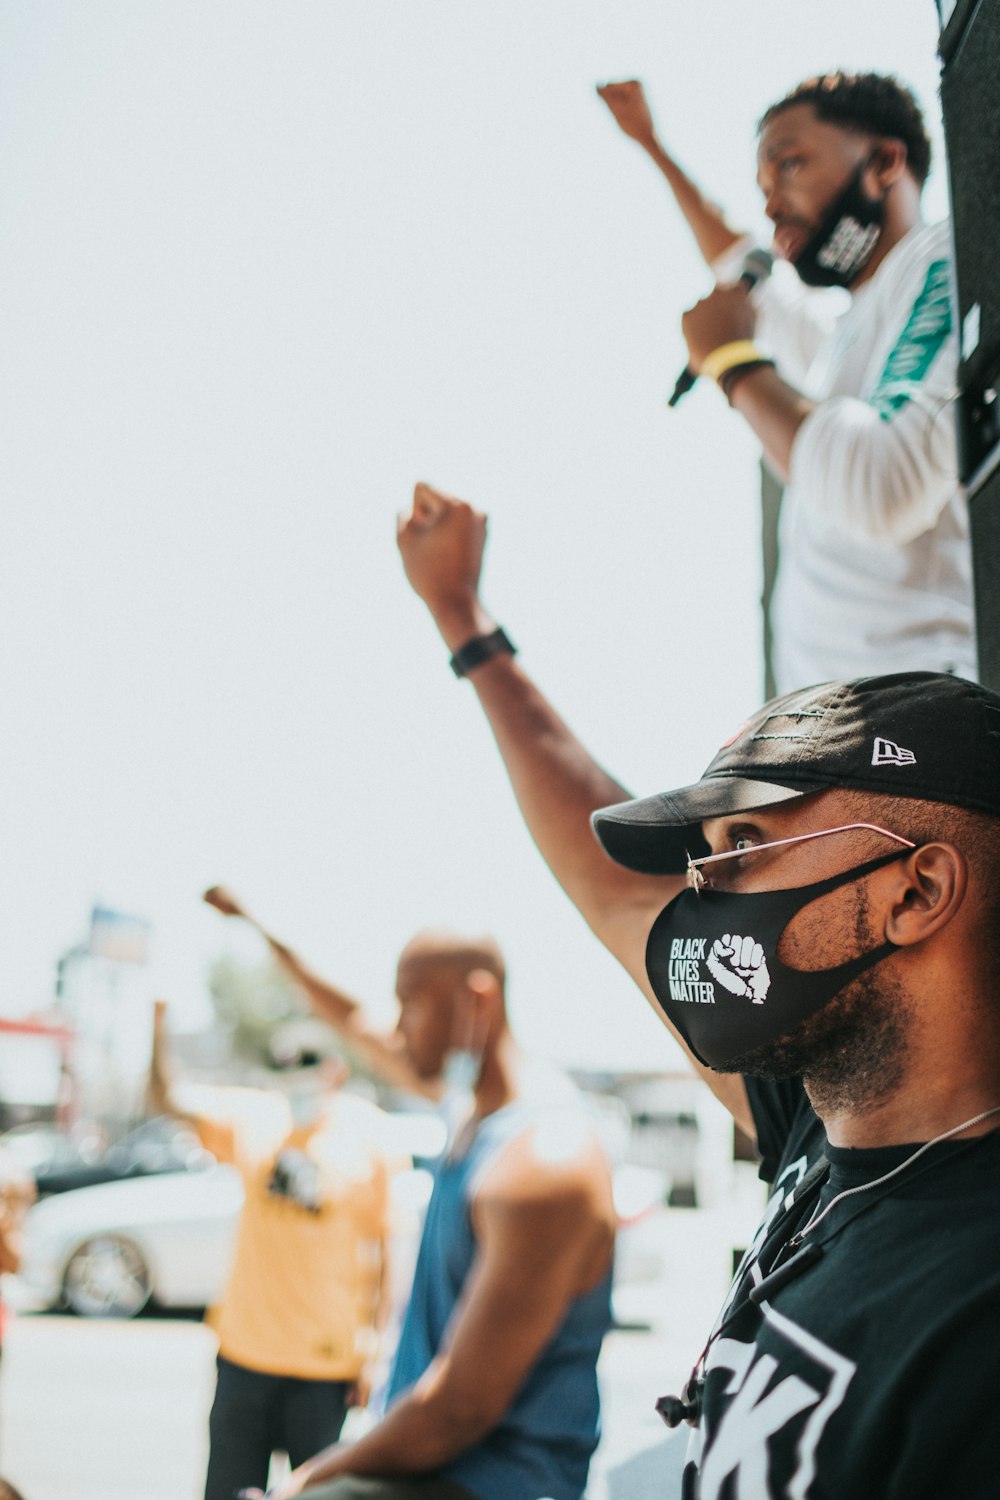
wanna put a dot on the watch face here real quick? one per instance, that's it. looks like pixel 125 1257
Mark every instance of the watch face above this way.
pixel 480 649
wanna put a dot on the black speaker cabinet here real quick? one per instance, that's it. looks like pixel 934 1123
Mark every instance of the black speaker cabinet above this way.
pixel 970 102
pixel 954 17
pixel 984 509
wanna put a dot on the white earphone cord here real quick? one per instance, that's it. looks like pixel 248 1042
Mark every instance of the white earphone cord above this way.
pixel 866 1187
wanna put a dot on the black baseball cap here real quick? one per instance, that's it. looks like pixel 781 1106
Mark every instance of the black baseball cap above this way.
pixel 911 734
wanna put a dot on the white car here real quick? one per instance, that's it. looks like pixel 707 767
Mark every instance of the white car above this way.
pixel 109 1250
pixel 106 1251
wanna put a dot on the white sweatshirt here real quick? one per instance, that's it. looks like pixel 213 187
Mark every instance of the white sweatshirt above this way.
pixel 874 564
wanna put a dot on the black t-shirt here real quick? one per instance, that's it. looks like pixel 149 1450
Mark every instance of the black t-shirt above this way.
pixel 874 1374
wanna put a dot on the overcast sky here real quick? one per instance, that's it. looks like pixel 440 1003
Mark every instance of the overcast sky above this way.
pixel 263 265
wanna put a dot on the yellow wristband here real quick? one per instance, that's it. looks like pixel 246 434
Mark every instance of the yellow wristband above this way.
pixel 727 356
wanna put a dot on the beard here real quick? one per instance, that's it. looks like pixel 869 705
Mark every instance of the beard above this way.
pixel 851 1054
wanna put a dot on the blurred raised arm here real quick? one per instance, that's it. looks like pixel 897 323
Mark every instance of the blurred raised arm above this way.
pixel 382 1051
pixel 706 220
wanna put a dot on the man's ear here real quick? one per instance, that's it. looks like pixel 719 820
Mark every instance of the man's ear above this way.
pixel 887 165
pixel 486 996
pixel 932 885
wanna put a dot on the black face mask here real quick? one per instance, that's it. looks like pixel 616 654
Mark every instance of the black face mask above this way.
pixel 846 238
pixel 712 959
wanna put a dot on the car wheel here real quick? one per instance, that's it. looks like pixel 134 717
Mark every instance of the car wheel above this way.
pixel 107 1277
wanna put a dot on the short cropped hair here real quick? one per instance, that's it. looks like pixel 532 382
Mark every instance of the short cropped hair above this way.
pixel 875 103
pixel 444 949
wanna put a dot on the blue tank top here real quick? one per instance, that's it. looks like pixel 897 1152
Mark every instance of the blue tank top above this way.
pixel 542 1446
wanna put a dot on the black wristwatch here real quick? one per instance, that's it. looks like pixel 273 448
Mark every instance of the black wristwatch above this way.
pixel 479 649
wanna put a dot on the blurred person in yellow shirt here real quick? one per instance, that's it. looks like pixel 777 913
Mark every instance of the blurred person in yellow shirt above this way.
pixel 307 1296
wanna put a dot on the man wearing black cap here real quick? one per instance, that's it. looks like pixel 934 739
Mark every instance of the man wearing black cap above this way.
pixel 818 920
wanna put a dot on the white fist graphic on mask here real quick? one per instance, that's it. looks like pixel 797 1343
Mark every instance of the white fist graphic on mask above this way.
pixel 739 965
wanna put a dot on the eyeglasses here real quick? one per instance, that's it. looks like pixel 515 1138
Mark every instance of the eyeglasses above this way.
pixel 698 882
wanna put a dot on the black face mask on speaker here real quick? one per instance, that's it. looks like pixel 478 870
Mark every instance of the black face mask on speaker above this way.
pixel 712 960
pixel 845 240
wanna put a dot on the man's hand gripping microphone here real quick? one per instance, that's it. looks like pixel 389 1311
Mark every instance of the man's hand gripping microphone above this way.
pixel 757 266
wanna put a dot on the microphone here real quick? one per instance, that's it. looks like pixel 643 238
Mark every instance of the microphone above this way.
pixel 757 266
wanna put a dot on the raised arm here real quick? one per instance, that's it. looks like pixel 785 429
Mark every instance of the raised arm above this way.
pixel 381 1051
pixel 556 781
pixel 774 409
pixel 161 1093
pixel 706 220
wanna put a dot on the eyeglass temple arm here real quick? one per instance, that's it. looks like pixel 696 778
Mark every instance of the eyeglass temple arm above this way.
pixel 801 838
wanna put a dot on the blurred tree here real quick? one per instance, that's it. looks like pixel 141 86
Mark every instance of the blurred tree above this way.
pixel 269 1019
pixel 252 1000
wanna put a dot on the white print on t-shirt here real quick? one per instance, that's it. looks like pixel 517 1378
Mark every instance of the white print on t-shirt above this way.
pixel 796 1408
pixel 296 1178
pixel 739 965
pixel 766 1416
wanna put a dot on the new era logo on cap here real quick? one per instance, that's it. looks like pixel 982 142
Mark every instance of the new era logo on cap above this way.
pixel 888 753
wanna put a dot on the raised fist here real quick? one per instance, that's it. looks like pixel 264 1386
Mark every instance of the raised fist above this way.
pixel 627 103
pixel 223 900
pixel 441 543
pixel 739 965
